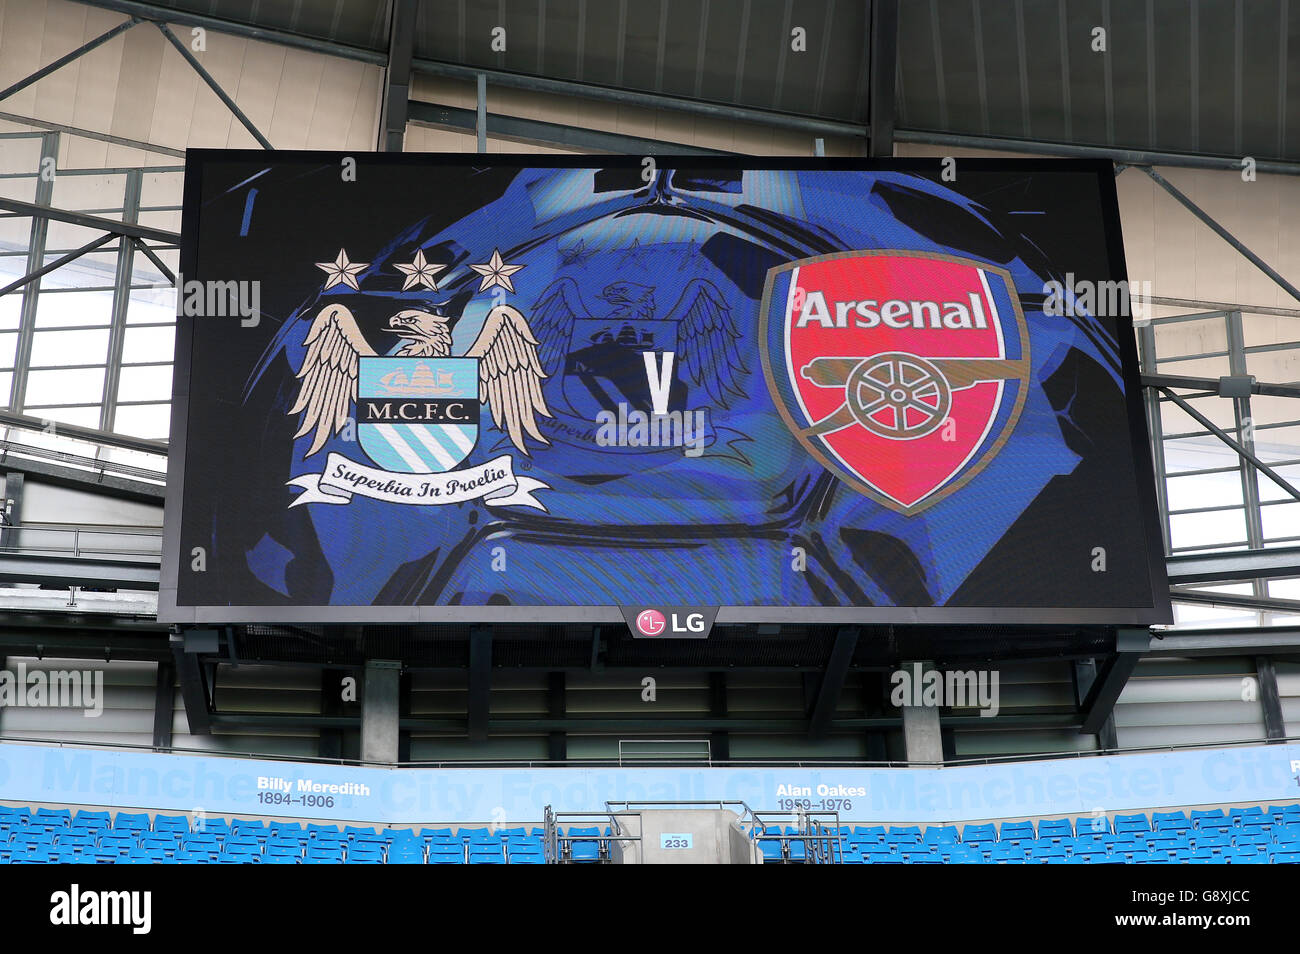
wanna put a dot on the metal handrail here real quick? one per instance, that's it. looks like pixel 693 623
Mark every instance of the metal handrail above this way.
pixel 557 847
pixel 17 541
pixel 818 831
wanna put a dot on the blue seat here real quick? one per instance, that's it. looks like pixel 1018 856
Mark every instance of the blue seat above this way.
pixel 1055 828
pixel 404 856
pixel 941 834
pixel 528 858
pixel 585 851
pixel 325 853
pixel 1212 820
pixel 1132 824
pixel 771 850
pixel 172 823
pixel 1170 821
pixel 1016 831
pixel 1285 857
pixel 127 822
pixel 90 821
pixel 1092 825
pixel 52 817
pixel 975 834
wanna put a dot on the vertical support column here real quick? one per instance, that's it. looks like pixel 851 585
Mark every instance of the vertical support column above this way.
pixel 12 507
pixel 1085 675
pixel 164 698
pixel 330 744
pixel 557 743
pixel 1155 427
pixel 379 710
pixel 719 742
pixel 922 735
pixel 35 260
pixel 883 78
pixel 480 682
pixel 1245 433
pixel 397 77
pixel 1270 700
pixel 121 300
pixel 480 121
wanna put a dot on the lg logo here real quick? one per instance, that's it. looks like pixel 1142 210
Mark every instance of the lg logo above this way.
pixel 651 622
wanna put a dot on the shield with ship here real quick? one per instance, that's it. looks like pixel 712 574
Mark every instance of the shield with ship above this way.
pixel 417 415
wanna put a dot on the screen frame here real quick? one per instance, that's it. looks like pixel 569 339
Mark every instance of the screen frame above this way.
pixel 169 611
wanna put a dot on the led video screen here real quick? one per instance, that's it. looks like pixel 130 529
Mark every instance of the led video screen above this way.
pixel 504 388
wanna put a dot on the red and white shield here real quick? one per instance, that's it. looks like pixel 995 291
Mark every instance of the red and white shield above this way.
pixel 902 372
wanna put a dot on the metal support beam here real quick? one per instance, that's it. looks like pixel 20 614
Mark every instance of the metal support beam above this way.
pixel 58 263
pixel 627 97
pixel 163 699
pixel 64 60
pixel 1238 565
pixel 480 682
pixel 39 211
pixel 1085 677
pixel 1265 604
pixel 212 84
pixel 76 431
pixel 534 130
pixel 1269 699
pixel 1222 435
pixel 1132 157
pixel 397 75
pixel 65 571
pixel 881 89
pixel 153 257
pixel 832 682
pixel 1213 385
pixel 1130 645
pixel 95 480
pixel 194 686
pixel 156 13
pixel 1220 231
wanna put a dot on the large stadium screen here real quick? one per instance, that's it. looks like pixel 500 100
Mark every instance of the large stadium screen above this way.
pixel 496 388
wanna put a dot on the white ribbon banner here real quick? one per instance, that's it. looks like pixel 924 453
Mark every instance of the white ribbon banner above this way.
pixel 494 483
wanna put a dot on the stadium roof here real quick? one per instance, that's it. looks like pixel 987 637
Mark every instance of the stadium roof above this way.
pixel 1204 78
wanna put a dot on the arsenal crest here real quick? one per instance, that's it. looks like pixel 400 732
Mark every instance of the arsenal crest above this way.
pixel 902 372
